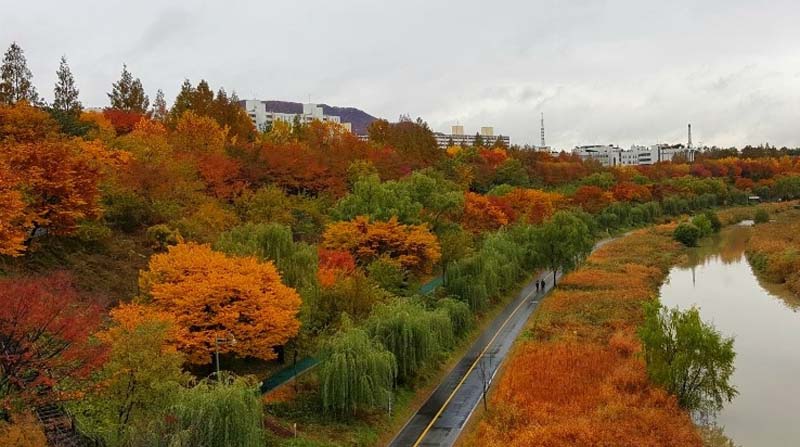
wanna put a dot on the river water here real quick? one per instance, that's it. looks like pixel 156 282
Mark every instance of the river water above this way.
pixel 764 318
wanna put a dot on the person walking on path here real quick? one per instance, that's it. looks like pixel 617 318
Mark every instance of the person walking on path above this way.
pixel 537 286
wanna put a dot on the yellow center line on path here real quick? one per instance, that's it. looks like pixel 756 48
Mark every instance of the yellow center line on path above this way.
pixel 463 379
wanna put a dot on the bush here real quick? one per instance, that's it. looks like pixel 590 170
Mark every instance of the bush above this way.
pixel 703 224
pixel 761 216
pixel 687 234
pixel 161 236
pixel 716 224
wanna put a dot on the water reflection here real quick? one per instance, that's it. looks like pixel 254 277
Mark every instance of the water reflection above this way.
pixel 764 320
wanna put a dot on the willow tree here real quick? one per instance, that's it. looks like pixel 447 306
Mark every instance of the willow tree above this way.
pixel 460 315
pixel 416 336
pixel 210 415
pixel 563 242
pixel 356 373
pixel 297 262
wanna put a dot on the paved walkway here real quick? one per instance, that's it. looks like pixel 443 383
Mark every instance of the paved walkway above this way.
pixel 442 417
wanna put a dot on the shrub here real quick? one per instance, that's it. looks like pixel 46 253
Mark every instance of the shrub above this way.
pixel 161 236
pixel 716 223
pixel 761 216
pixel 703 224
pixel 687 234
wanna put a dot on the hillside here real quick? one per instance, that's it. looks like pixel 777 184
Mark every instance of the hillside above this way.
pixel 357 117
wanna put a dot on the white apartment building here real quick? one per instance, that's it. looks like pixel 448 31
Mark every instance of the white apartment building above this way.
pixel 612 155
pixel 457 137
pixel 263 118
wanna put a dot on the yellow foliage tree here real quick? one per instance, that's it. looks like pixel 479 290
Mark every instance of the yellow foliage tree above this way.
pixel 212 295
pixel 413 246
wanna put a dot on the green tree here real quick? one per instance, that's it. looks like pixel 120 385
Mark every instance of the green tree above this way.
pixel 16 78
pixel 297 262
pixel 128 94
pixel 210 414
pixel 562 242
pixel 139 380
pixel 688 357
pixel 65 94
pixel 478 140
pixel 379 201
pixel 687 234
pixel 438 196
pixel 355 373
pixel 159 111
pixel 416 336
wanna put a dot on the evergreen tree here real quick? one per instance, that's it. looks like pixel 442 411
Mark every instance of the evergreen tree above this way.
pixel 128 94
pixel 65 94
pixel 159 111
pixel 478 140
pixel 15 78
pixel 183 101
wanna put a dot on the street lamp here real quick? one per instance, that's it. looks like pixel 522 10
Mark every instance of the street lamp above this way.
pixel 219 340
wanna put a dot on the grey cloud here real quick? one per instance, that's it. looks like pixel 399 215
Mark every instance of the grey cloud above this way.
pixel 622 71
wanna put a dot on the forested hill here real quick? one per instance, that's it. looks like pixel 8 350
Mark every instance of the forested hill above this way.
pixel 357 117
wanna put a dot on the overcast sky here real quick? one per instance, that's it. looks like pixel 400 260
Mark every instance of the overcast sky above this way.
pixel 624 72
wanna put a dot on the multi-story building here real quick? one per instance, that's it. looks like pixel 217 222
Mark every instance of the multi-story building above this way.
pixel 612 155
pixel 457 137
pixel 263 117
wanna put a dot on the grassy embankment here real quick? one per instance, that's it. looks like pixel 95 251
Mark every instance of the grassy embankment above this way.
pixel 774 249
pixel 575 378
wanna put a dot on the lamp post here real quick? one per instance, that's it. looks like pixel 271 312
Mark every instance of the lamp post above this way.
pixel 219 340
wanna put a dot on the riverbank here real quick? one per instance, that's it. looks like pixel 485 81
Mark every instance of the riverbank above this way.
pixel 575 378
pixel 761 316
pixel 774 250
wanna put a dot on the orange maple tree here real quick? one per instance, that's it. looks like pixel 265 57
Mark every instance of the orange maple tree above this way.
pixel 60 179
pixel 480 214
pixel 212 295
pixel 413 246
pixel 14 222
pixel 592 198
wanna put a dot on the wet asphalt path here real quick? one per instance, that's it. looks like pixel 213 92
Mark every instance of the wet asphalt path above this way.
pixel 442 417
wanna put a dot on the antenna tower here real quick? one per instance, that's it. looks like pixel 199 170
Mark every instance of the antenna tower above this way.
pixel 543 145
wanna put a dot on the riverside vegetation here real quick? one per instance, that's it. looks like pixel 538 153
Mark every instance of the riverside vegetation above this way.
pixel 140 244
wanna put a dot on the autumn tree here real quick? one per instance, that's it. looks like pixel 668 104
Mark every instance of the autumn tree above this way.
pixel 44 326
pixel 592 198
pixel 60 179
pixel 688 357
pixel 213 295
pixel 480 214
pixel 414 140
pixel 15 78
pixel 128 95
pixel 562 242
pixel 138 381
pixel 24 123
pixel 14 221
pixel 412 246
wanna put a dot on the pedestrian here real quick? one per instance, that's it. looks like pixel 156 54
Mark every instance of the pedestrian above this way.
pixel 537 286
pixel 543 285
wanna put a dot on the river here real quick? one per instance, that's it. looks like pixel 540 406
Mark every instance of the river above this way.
pixel 764 318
